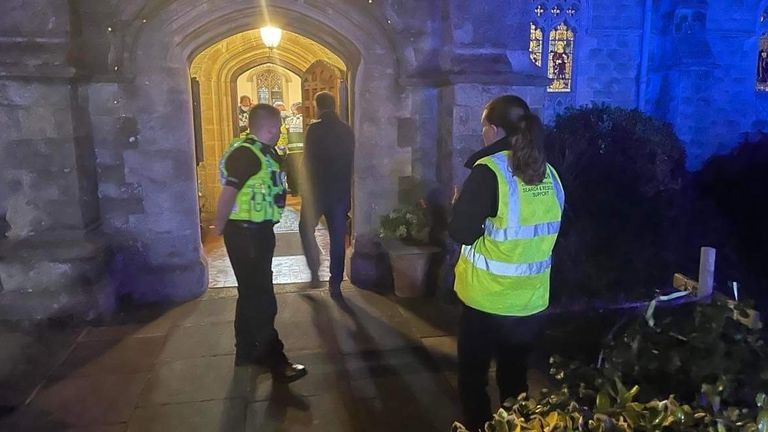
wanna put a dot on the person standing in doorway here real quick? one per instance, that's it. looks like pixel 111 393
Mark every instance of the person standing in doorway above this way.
pixel 295 125
pixel 507 217
pixel 282 142
pixel 252 201
pixel 242 113
pixel 327 191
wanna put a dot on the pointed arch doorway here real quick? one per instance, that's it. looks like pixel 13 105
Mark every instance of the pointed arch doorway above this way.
pixel 292 75
pixel 170 261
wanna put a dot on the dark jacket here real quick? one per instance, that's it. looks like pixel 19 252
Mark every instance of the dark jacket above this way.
pixel 479 198
pixel 329 149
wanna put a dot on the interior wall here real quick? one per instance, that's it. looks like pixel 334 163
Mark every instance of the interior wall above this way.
pixel 246 84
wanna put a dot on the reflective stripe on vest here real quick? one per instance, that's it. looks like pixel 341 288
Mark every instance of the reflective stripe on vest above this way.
pixel 503 268
pixel 506 271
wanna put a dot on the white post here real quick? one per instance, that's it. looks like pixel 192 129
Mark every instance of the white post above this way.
pixel 706 272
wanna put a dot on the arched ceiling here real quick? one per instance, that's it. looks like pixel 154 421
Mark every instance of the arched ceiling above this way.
pixel 220 60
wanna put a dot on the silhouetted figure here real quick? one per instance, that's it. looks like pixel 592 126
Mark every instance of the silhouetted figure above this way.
pixel 327 191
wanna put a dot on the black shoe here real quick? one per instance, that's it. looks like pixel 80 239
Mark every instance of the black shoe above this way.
pixel 289 373
pixel 335 291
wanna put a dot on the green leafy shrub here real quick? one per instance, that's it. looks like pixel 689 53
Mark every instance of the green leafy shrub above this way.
pixel 408 224
pixel 734 185
pixel 622 172
pixel 697 366
pixel 615 409
pixel 689 346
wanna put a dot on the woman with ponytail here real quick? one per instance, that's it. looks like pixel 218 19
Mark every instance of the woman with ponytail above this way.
pixel 507 218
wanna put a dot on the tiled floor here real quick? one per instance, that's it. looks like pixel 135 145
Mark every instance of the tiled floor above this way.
pixel 375 363
pixel 288 266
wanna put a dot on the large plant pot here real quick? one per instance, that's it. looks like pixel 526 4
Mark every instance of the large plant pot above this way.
pixel 409 267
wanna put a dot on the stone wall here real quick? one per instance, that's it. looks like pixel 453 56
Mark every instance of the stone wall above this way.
pixel 461 108
pixel 51 258
pixel 733 106
pixel 607 59
pixel 702 73
pixel 609 65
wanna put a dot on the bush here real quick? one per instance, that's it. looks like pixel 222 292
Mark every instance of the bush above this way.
pixel 698 368
pixel 622 172
pixel 734 184
pixel 616 410
pixel 685 347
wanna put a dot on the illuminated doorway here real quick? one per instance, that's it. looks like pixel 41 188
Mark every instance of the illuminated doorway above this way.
pixel 292 74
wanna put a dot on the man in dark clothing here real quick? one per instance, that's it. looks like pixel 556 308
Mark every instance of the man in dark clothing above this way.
pixel 251 202
pixel 328 159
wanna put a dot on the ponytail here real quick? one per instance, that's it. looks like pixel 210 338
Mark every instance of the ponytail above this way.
pixel 525 135
pixel 527 157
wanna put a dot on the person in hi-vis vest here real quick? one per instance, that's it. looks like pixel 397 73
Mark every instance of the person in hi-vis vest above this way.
pixel 295 126
pixel 507 217
pixel 251 203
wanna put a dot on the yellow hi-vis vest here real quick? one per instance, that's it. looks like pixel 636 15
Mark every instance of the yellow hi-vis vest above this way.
pixel 256 201
pixel 295 125
pixel 506 271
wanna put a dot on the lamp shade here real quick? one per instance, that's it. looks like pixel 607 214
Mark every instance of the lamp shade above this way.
pixel 271 36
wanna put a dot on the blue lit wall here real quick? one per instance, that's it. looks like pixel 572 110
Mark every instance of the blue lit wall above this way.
pixel 690 62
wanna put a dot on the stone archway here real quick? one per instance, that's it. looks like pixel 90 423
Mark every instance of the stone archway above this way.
pixel 163 238
pixel 217 68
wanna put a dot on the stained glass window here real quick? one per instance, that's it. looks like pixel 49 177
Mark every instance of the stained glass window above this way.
pixel 269 86
pixel 762 64
pixel 536 47
pixel 559 20
pixel 560 58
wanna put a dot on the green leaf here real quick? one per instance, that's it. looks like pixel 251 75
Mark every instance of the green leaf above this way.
pixel 762 420
pixel 629 395
pixel 603 403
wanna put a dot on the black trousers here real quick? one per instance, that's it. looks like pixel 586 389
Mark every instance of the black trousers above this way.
pixel 250 248
pixel 336 218
pixel 482 337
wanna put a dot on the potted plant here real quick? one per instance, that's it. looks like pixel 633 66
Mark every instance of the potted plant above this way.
pixel 405 236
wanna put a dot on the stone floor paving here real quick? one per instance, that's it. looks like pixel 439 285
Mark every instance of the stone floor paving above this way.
pixel 375 363
pixel 288 265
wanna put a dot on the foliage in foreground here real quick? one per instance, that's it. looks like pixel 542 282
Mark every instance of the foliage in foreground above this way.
pixel 694 367
pixel 615 409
